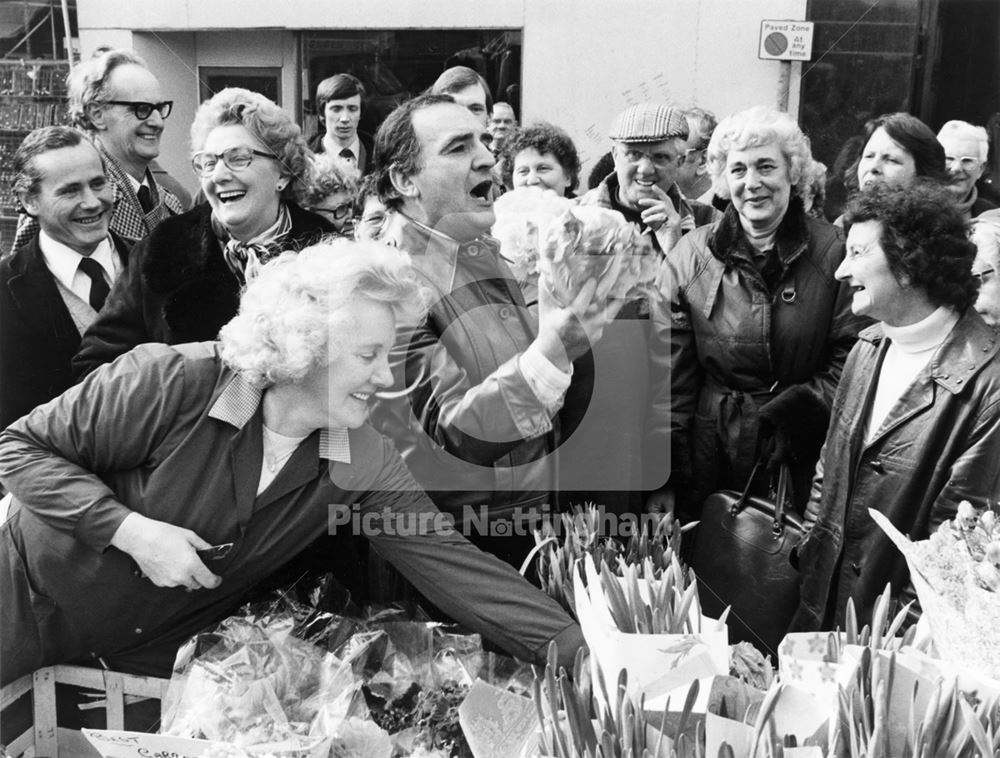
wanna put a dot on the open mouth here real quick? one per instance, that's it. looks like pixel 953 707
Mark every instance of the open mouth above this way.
pixel 482 190
pixel 230 196
pixel 89 220
pixel 362 396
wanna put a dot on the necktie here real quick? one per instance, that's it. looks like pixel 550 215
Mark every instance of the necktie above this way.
pixel 99 288
pixel 347 154
pixel 145 198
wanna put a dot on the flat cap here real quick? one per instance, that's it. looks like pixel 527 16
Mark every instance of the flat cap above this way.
pixel 649 122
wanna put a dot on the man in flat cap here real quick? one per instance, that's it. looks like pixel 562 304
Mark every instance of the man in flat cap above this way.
pixel 648 143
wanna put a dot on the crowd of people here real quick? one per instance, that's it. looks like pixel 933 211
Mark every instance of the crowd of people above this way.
pixel 328 334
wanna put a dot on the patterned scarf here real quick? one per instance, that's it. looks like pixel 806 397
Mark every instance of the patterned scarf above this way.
pixel 246 258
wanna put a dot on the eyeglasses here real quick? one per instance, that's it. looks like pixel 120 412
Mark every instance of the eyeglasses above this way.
pixel 235 158
pixel 335 213
pixel 375 219
pixel 660 160
pixel 967 162
pixel 984 275
pixel 144 110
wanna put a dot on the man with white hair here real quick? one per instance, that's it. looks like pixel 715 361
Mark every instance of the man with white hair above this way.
pixel 965 149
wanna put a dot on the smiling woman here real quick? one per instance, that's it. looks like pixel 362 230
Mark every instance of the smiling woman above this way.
pixel 259 440
pixel 760 328
pixel 917 411
pixel 187 275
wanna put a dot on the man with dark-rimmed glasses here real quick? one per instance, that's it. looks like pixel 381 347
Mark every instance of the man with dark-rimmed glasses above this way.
pixel 119 103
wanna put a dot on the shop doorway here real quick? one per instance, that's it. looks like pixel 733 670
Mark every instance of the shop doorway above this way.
pixel 395 65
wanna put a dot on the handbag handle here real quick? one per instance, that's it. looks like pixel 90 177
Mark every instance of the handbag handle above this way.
pixel 781 497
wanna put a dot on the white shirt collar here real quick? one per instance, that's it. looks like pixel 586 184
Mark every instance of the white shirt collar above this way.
pixel 354 147
pixel 135 182
pixel 64 262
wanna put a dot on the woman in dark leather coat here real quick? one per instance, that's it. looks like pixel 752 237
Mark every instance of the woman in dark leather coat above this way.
pixel 916 419
pixel 760 328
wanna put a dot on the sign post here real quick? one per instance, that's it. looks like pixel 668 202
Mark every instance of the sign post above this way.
pixel 785 41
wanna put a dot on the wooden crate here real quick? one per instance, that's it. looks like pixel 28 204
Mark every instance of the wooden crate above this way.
pixel 46 739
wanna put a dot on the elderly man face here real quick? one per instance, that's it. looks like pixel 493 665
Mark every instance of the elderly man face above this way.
pixel 963 159
pixel 132 141
pixel 451 191
pixel 641 166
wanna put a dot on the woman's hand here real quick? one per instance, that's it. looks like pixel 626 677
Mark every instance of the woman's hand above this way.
pixel 567 332
pixel 165 553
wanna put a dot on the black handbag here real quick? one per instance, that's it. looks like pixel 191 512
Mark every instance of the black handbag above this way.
pixel 740 556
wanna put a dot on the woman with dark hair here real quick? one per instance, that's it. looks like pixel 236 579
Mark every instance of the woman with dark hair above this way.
pixel 898 149
pixel 542 155
pixel 916 419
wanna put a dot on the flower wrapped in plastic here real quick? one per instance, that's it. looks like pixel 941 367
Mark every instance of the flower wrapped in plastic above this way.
pixel 567 245
pixel 950 572
pixel 522 217
pixel 255 686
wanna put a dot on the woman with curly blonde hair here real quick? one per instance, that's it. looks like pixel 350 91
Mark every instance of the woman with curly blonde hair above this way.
pixel 184 280
pixel 760 328
pixel 208 467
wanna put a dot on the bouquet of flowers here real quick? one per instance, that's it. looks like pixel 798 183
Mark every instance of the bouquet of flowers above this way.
pixel 952 573
pixel 567 245
pixel 256 687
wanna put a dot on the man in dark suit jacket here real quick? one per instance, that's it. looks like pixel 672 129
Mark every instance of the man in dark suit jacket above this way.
pixel 338 104
pixel 53 286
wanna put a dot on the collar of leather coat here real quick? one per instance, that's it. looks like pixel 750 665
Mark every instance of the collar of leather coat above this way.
pixel 730 245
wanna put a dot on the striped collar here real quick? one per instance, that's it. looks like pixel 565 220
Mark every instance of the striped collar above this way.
pixel 240 400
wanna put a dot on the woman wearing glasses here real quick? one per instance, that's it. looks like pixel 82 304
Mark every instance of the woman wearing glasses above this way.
pixel 183 281
pixel 759 327
pixel 986 238
pixel 916 419
pixel 333 192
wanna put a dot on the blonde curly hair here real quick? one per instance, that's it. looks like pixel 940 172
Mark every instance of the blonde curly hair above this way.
pixel 292 311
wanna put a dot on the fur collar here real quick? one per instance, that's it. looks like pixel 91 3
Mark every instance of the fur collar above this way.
pixel 184 247
pixel 730 245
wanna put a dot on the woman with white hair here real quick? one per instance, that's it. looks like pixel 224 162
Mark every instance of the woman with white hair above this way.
pixel 157 492
pixel 759 327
